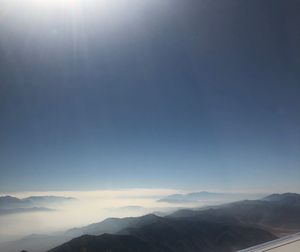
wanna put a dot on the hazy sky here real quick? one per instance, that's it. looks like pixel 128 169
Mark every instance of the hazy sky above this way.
pixel 149 93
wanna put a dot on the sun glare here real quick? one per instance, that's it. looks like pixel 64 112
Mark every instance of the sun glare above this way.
pixel 55 4
pixel 70 3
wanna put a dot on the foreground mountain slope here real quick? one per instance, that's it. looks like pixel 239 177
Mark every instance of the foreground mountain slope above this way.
pixel 33 243
pixel 42 243
pixel 105 242
pixel 280 215
pixel 112 225
pixel 172 235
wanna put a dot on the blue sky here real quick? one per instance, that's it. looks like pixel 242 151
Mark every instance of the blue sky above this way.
pixel 173 94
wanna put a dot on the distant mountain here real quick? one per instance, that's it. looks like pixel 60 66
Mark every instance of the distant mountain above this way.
pixel 25 210
pixel 8 202
pixel 205 197
pixel 48 200
pixel 192 197
pixel 285 198
pixel 13 204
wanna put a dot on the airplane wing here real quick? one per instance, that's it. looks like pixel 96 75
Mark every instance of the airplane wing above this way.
pixel 289 243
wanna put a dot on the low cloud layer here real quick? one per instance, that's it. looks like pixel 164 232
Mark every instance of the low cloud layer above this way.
pixel 90 207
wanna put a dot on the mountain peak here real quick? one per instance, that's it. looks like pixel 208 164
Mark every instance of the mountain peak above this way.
pixel 284 197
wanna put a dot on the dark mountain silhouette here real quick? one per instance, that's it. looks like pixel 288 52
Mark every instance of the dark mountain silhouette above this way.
pixel 33 243
pixel 280 215
pixel 271 214
pixel 164 234
pixel 105 242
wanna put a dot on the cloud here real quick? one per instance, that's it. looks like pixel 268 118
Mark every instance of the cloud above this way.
pixel 91 206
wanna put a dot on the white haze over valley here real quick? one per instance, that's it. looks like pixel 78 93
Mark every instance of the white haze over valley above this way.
pixel 95 206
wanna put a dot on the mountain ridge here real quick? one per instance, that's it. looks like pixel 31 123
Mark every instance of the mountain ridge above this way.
pixel 13 204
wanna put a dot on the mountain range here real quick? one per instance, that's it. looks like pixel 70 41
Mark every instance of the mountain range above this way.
pixel 11 205
pixel 223 228
pixel 166 234
pixel 204 196
pixel 191 197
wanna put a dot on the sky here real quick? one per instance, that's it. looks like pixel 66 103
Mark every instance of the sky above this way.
pixel 193 94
